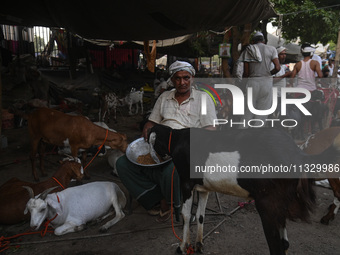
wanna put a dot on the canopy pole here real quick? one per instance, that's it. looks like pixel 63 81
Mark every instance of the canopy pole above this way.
pixel 225 65
pixel 150 56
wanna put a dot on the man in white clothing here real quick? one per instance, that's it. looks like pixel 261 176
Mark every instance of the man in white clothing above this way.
pixel 306 68
pixel 317 58
pixel 260 74
pixel 178 108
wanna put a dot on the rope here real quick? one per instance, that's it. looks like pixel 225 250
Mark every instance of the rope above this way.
pixel 58 182
pixel 190 249
pixel 172 207
pixel 43 232
pixel 169 141
pixel 5 243
pixel 99 148
pixel 243 204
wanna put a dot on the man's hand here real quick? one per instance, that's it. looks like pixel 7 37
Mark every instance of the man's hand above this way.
pixel 147 126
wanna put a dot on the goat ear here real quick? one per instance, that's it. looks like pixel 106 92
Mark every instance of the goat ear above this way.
pixel 55 204
pixel 148 134
pixel 26 210
pixel 152 138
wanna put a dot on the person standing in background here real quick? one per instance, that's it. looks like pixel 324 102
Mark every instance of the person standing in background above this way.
pixel 260 74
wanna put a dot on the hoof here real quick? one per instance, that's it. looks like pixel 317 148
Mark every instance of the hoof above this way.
pixel 324 221
pixel 285 245
pixel 199 247
pixel 188 249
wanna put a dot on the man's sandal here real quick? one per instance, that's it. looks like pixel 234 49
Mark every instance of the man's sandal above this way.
pixel 156 210
pixel 163 217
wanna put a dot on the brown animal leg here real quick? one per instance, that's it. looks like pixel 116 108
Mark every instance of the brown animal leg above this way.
pixel 329 216
pixel 83 161
pixel 335 185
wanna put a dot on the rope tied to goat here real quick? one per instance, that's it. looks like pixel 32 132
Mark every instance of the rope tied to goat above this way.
pixel 190 249
pixel 99 148
pixel 4 241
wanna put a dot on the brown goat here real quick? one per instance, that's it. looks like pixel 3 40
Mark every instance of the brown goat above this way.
pixel 57 128
pixel 317 144
pixel 13 197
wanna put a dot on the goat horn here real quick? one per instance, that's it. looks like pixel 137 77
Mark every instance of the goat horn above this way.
pixel 44 194
pixel 30 191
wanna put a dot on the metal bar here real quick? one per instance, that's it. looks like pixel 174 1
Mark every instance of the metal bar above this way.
pixel 218 202
pixel 219 224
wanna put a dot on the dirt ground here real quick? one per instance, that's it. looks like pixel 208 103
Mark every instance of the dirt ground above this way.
pixel 139 233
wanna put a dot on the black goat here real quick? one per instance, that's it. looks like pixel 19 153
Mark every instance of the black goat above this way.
pixel 276 199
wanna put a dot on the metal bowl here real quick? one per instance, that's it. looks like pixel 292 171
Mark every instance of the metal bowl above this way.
pixel 140 147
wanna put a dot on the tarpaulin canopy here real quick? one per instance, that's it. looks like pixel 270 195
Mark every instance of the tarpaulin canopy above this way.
pixel 134 19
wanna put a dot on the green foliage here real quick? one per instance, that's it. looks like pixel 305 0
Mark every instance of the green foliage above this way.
pixel 332 46
pixel 205 44
pixel 307 20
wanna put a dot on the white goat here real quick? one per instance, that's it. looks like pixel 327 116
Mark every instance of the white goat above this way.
pixel 133 98
pixel 74 207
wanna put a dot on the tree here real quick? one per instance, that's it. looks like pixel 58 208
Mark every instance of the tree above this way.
pixel 312 21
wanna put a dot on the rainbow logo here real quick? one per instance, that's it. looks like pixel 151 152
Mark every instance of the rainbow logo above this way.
pixel 209 93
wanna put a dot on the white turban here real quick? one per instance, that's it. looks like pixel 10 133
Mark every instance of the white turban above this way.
pixel 280 49
pixel 181 66
pixel 308 49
